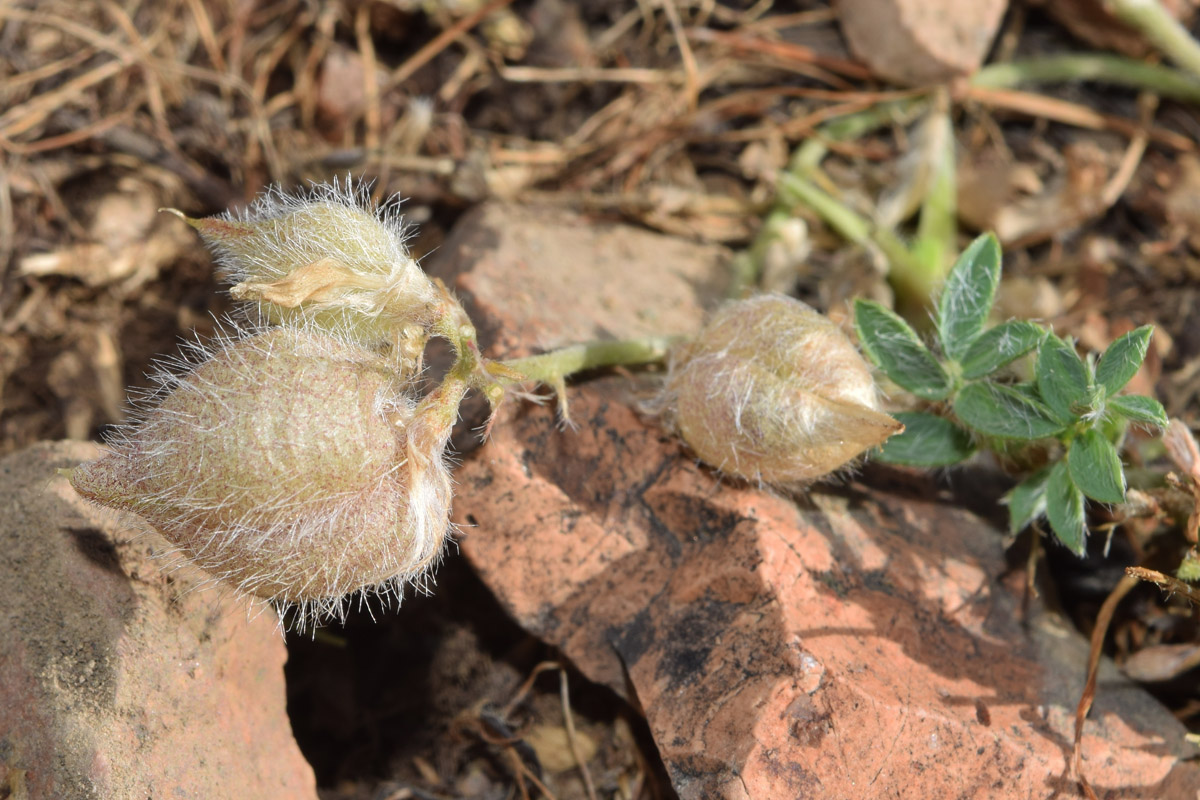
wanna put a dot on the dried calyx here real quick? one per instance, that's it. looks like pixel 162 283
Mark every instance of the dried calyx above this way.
pixel 772 391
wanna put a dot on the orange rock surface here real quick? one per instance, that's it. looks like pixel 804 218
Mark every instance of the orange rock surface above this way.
pixel 850 643
pixel 119 678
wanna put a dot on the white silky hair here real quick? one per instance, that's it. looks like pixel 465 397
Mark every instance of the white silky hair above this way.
pixel 269 552
pixel 335 222
pixel 385 236
pixel 308 545
pixel 769 391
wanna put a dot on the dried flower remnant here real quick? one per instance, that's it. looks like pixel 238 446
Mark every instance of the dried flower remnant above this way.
pixel 772 391
pixel 329 260
pixel 292 465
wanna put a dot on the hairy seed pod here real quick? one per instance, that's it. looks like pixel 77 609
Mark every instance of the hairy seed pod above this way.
pixel 292 465
pixel 325 260
pixel 772 391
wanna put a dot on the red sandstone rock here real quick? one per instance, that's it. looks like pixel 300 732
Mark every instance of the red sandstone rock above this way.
pixel 846 645
pixel 919 42
pixel 852 646
pixel 118 678
pixel 538 278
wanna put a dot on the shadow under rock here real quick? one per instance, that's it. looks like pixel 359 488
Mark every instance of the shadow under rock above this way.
pixel 368 697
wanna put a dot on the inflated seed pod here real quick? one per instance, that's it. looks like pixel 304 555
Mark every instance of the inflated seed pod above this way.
pixel 292 465
pixel 772 391
pixel 326 259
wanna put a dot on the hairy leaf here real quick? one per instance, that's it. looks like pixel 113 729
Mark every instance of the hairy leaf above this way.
pixel 893 346
pixel 1140 409
pixel 1123 358
pixel 1064 508
pixel 999 346
pixel 1027 500
pixel 1004 411
pixel 967 296
pixel 927 441
pixel 1062 379
pixel 1096 468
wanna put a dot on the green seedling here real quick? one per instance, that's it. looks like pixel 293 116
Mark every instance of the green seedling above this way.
pixel 975 400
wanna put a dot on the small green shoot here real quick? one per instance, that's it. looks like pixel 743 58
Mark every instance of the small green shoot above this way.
pixel 976 400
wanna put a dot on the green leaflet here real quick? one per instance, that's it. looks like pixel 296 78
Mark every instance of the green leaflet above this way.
pixel 894 347
pixel 927 441
pixel 1062 379
pixel 1027 500
pixel 967 296
pixel 1140 409
pixel 1000 346
pixel 1122 359
pixel 998 410
pixel 1095 468
pixel 1064 509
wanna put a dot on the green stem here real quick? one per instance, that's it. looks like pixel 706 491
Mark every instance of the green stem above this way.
pixel 1104 68
pixel 937 227
pixel 806 159
pixel 795 189
pixel 553 367
pixel 1149 18
pixel 914 281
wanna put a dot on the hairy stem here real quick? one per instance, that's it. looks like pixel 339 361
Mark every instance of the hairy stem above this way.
pixel 557 365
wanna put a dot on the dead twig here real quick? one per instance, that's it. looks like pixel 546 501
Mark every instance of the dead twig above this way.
pixel 1133 154
pixel 783 51
pixel 523 690
pixel 587 75
pixel 366 48
pixel 441 42
pixel 89 131
pixel 569 720
pixel 1103 619
pixel 692 84
pixel 26 116
pixel 1165 582
pixel 1036 105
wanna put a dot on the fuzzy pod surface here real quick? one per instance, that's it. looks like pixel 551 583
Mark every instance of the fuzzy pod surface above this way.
pixel 773 391
pixel 327 260
pixel 292 465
